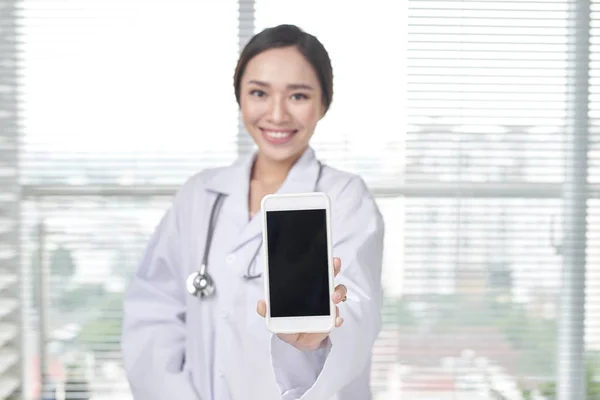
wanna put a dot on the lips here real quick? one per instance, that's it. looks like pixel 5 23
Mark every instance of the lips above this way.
pixel 278 136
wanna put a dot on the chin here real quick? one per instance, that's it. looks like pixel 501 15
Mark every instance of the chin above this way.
pixel 279 154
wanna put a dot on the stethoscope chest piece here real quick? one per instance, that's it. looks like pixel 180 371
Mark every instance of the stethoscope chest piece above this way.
pixel 200 284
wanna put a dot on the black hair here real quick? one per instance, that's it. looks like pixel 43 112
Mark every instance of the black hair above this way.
pixel 285 36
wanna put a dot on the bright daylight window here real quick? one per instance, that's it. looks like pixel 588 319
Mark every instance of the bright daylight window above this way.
pixel 117 94
pixel 454 112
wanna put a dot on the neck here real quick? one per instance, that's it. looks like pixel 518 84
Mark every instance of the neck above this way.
pixel 271 171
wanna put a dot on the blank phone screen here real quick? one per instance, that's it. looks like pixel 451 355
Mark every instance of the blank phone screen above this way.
pixel 298 264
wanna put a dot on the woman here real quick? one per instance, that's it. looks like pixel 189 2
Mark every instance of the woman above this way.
pixel 177 346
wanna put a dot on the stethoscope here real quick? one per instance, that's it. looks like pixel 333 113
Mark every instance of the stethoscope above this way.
pixel 200 283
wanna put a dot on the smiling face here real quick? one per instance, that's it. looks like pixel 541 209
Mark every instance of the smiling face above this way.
pixel 281 103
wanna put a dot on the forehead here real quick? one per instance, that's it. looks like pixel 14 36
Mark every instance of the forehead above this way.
pixel 281 66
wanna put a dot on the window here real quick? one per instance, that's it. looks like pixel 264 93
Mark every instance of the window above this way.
pixel 456 113
pixel 10 292
pixel 123 95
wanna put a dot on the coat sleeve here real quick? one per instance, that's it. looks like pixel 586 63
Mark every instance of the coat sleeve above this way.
pixel 153 334
pixel 358 233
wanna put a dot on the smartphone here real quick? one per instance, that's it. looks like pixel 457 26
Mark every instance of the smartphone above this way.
pixel 298 267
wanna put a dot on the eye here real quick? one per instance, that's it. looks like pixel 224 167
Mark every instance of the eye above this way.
pixel 257 93
pixel 299 96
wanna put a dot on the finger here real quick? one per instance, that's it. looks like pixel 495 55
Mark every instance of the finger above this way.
pixel 338 320
pixel 339 294
pixel 337 266
pixel 261 308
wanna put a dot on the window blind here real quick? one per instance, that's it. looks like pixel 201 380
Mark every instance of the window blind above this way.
pixel 10 305
pixel 593 234
pixel 121 101
pixel 458 114
pixel 492 261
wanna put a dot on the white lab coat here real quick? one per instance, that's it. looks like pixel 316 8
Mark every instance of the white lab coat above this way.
pixel 176 346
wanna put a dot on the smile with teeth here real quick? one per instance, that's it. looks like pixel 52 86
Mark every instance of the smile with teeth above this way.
pixel 278 136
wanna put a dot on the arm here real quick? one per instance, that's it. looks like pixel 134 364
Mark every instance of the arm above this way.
pixel 358 231
pixel 153 337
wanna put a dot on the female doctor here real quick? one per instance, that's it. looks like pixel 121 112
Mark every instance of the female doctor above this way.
pixel 180 342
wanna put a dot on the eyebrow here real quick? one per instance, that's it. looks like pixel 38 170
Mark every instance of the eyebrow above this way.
pixel 292 86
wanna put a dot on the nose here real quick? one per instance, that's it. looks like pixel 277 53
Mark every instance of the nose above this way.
pixel 278 112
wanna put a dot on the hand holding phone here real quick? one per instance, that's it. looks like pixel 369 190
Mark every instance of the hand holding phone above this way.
pixel 311 341
pixel 300 302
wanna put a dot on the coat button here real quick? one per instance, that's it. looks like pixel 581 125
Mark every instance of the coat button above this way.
pixel 230 259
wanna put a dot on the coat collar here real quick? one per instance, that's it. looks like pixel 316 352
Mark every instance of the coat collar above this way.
pixel 235 179
pixel 234 182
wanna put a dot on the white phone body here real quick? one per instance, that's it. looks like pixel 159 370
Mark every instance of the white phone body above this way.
pixel 289 312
